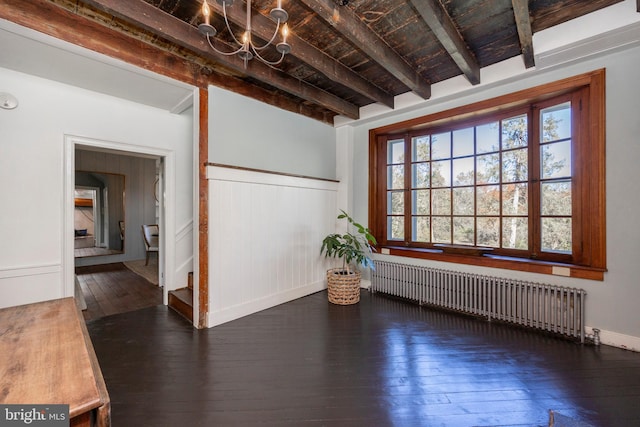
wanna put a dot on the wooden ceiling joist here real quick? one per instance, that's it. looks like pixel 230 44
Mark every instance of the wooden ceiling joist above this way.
pixel 443 27
pixel 523 23
pixel 344 21
pixel 161 24
pixel 263 27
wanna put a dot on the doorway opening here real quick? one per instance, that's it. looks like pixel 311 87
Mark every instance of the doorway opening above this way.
pixel 98 214
pixel 117 229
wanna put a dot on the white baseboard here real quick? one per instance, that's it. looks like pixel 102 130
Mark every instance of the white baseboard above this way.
pixel 615 339
pixel 216 318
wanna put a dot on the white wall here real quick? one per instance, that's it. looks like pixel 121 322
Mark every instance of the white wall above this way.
pixel 612 305
pixel 265 230
pixel 32 174
pixel 249 133
pixel 265 233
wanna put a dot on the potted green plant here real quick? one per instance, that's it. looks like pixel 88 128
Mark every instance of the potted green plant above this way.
pixel 355 249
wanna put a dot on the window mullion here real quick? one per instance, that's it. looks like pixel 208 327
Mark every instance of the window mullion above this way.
pixel 451 235
pixel 534 182
pixel 407 190
pixel 501 188
pixel 475 186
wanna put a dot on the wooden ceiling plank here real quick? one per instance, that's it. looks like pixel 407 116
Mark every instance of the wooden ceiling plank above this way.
pixel 546 14
pixel 523 23
pixel 309 54
pixel 164 25
pixel 445 30
pixel 344 21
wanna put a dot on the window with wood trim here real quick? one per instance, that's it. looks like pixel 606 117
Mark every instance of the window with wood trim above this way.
pixel 519 174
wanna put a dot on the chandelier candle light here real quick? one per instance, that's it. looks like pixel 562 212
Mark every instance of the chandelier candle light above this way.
pixel 248 50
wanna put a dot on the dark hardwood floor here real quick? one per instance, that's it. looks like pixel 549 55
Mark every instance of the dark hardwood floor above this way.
pixel 113 288
pixel 381 362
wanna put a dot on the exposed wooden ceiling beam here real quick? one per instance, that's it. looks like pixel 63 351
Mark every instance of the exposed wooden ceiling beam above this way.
pixel 334 70
pixel 166 26
pixel 437 18
pixel 358 33
pixel 523 23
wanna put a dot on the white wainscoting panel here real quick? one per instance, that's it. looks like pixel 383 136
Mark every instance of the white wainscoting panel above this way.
pixel 29 284
pixel 265 233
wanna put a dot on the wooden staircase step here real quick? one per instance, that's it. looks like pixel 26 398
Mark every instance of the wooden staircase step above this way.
pixel 181 300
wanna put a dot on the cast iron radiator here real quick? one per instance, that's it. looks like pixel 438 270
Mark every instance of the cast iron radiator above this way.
pixel 541 306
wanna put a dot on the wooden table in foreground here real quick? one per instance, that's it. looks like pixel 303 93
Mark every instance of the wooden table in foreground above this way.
pixel 47 357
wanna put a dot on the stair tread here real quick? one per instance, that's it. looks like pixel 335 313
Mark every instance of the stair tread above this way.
pixel 184 294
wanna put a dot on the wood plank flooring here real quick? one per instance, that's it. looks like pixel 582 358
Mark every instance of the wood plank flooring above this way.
pixel 382 362
pixel 113 288
pixel 93 251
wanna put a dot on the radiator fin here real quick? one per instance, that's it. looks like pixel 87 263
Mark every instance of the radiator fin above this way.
pixel 541 306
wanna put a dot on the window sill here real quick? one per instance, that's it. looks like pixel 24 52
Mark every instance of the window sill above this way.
pixel 495 261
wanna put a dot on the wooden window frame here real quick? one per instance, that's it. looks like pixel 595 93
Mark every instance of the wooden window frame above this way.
pixel 589 231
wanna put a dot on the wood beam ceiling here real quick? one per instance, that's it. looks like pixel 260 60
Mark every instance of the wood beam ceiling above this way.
pixel 523 23
pixel 445 30
pixel 161 24
pixel 334 70
pixel 71 26
pixel 164 39
pixel 344 21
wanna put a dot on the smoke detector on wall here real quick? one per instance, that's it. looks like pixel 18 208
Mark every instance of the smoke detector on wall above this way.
pixel 8 101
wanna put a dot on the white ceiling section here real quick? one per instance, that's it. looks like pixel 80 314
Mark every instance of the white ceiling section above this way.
pixel 34 53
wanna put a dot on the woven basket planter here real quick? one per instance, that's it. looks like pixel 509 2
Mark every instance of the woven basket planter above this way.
pixel 343 289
